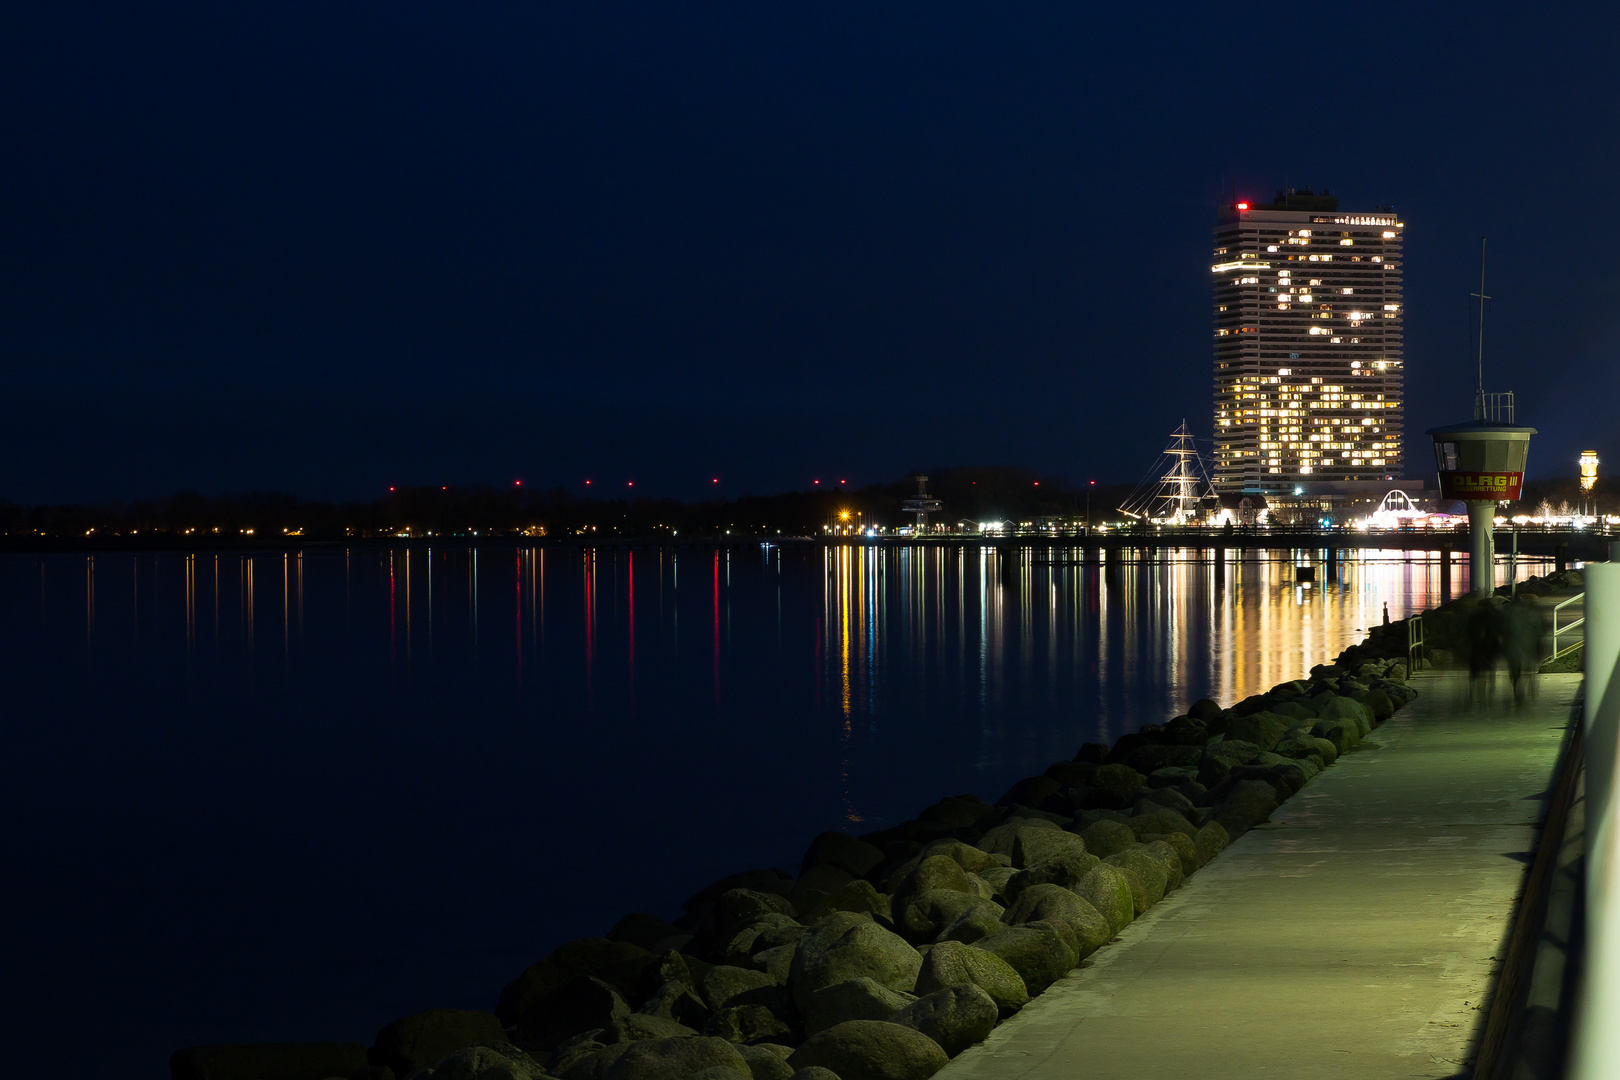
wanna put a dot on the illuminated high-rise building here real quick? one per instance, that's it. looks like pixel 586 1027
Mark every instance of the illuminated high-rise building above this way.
pixel 1308 318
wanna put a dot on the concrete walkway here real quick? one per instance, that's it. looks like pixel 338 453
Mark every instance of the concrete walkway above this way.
pixel 1353 936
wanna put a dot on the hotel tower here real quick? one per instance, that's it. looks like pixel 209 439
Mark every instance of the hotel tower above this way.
pixel 1308 320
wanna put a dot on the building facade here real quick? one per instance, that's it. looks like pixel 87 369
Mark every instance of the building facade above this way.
pixel 1308 347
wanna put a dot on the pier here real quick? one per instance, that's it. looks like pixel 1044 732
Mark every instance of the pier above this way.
pixel 1359 934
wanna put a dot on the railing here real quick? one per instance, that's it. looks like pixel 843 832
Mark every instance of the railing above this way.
pixel 1494 408
pixel 1556 629
pixel 1414 643
pixel 1595 1052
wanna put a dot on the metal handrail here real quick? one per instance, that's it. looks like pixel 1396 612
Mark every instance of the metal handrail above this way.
pixel 1556 629
pixel 1414 643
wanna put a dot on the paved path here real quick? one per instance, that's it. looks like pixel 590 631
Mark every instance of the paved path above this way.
pixel 1353 936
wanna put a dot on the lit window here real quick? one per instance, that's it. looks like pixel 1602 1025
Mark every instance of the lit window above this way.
pixel 1389 236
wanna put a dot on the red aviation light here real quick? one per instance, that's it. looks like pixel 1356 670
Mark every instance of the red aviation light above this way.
pixel 1242 206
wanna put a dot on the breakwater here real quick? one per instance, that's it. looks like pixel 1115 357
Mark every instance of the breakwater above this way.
pixel 888 952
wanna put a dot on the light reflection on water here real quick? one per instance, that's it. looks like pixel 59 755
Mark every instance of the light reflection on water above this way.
pixel 904 633
pixel 341 785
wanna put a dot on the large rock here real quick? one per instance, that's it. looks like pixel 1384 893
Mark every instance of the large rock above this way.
pixel 747 1024
pixel 1147 877
pixel 1336 707
pixel 740 907
pixel 929 914
pixel 1342 733
pixel 677 1001
pixel 1300 743
pixel 775 962
pixel 1160 821
pixel 1114 787
pixel 973 860
pixel 1037 951
pixel 425 1038
pixel 841 850
pixel 1185 731
pixel 871 1050
pixel 955 811
pixel 950 963
pixel 1291 710
pixel 1220 758
pixel 1106 888
pixel 1003 839
pixel 1064 871
pixel 1164 799
pixel 1262 729
pixel 1104 838
pixel 584 1059
pixel 1248 804
pixel 846 946
pixel 933 872
pixel 1155 756
pixel 955 1017
pixel 268 1061
pixel 675 1059
pixel 856 999
pixel 484 1063
pixel 768 1061
pixel 1169 857
pixel 717 1072
pixel 1185 845
pixel 998 879
pixel 619 963
pixel 1040 846
pixel 1212 839
pixel 639 1026
pixel 770 932
pixel 582 1004
pixel 857 896
pixel 980 920
pixel 723 983
pixel 1047 901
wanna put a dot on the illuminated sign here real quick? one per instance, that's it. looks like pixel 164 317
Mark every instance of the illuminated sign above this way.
pixel 1477 486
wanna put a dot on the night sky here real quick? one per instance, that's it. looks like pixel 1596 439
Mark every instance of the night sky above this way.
pixel 332 247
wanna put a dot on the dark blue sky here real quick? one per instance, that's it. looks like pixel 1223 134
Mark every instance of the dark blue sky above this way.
pixel 332 247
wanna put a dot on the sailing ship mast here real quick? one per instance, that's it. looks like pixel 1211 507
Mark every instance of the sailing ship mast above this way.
pixel 1181 485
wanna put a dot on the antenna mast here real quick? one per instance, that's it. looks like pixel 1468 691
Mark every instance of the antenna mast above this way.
pixel 1479 386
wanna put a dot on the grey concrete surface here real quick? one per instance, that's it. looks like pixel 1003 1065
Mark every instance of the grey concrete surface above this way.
pixel 1355 935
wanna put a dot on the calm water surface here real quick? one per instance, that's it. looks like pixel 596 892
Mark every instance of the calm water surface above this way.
pixel 294 796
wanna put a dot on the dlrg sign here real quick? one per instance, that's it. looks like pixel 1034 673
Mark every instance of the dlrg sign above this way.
pixel 1501 486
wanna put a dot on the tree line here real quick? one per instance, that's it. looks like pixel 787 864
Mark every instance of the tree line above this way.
pixel 967 494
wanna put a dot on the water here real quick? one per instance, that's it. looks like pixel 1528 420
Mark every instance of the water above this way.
pixel 296 795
